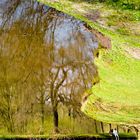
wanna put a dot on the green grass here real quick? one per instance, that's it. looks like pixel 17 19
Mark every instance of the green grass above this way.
pixel 119 88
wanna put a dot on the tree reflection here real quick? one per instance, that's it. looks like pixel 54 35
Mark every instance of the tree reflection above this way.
pixel 46 59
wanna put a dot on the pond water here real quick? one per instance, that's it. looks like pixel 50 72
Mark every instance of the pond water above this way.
pixel 56 26
pixel 46 57
pixel 44 53
pixel 70 42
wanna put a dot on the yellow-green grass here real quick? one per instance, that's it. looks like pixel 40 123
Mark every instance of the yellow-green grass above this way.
pixel 117 97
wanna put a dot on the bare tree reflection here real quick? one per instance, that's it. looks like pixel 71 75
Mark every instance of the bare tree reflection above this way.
pixel 46 59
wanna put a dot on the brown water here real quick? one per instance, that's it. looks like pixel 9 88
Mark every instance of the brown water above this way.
pixel 46 60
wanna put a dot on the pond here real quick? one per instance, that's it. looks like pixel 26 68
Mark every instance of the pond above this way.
pixel 46 64
pixel 47 54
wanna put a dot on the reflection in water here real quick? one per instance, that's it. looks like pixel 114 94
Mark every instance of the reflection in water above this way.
pixel 52 55
pixel 67 31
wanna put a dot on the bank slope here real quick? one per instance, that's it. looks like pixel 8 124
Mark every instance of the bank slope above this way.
pixel 116 99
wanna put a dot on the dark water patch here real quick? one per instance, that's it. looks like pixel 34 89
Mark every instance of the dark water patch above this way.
pixel 74 138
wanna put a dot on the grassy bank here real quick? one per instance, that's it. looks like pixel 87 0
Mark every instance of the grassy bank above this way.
pixel 116 98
